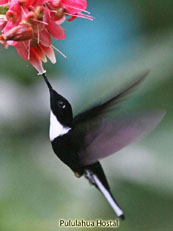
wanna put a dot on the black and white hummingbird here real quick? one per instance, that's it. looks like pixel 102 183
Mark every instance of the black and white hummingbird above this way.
pixel 82 140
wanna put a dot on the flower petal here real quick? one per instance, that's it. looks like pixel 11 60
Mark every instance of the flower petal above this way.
pixel 50 53
pixel 56 30
pixel 74 6
pixel 2 23
pixel 60 21
pixel 3 2
pixel 36 61
pixel 21 32
pixel 22 49
pixel 40 51
pixel 45 38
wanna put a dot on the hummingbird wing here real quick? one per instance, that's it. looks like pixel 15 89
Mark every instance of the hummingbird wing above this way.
pixel 111 136
pixel 97 138
pixel 91 119
pixel 96 112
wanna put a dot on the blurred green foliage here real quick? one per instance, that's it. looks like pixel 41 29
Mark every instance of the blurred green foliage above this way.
pixel 36 188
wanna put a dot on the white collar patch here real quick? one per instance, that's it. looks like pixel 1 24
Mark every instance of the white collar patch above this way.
pixel 56 128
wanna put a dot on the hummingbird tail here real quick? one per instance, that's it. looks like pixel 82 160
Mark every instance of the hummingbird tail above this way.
pixel 93 179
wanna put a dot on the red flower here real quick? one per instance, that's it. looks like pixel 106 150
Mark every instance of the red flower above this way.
pixel 29 24
pixel 74 6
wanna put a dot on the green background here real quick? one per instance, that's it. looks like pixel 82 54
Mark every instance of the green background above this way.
pixel 36 189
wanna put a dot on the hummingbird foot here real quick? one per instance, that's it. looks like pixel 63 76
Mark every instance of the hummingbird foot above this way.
pixel 77 174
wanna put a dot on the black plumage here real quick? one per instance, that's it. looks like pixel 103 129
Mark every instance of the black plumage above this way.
pixel 82 140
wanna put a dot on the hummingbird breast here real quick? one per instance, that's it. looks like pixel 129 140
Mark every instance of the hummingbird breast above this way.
pixel 67 152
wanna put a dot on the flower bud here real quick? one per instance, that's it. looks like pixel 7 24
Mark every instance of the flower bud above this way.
pixel 58 14
pixel 30 16
pixel 11 15
pixel 22 2
pixel 2 23
pixel 21 32
pixel 56 3
pixel 3 42
pixel 39 10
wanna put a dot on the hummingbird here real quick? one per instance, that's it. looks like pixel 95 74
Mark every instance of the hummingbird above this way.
pixel 81 141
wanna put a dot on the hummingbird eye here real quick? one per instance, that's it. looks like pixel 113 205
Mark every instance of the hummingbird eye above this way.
pixel 61 104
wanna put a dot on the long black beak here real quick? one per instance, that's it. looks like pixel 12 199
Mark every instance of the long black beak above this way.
pixel 47 82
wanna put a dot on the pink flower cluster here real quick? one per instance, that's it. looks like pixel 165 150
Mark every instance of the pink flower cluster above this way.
pixel 29 24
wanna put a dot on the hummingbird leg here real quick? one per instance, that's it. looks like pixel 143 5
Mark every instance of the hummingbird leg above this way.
pixel 89 176
pixel 77 174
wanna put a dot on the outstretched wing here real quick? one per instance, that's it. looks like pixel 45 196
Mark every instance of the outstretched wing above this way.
pixel 97 111
pixel 111 136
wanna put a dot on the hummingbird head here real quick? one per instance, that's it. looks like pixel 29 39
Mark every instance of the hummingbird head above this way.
pixel 60 107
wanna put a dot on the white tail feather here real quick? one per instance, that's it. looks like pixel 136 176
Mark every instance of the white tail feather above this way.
pixel 108 196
